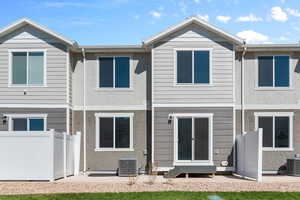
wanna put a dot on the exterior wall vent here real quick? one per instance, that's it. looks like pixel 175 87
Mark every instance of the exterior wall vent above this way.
pixel 128 167
pixel 293 166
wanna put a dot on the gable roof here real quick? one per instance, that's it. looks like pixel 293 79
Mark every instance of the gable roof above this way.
pixel 199 22
pixel 25 21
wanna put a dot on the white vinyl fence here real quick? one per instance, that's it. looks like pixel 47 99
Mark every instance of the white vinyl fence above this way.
pixel 249 155
pixel 38 155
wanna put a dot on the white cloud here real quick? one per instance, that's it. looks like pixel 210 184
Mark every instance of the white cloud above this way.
pixel 249 18
pixel 203 17
pixel 137 16
pixel 278 14
pixel 223 19
pixel 283 38
pixel 293 12
pixel 155 14
pixel 253 37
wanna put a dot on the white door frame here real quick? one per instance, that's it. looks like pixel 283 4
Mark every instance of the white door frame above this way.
pixel 209 116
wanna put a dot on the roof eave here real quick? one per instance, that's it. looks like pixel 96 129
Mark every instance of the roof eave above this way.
pixel 112 48
pixel 24 21
pixel 272 47
pixel 210 27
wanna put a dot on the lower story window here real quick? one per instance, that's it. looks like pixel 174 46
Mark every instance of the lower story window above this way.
pixel 27 122
pixel 277 129
pixel 114 131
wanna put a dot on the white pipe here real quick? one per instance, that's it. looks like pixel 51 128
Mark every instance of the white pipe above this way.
pixel 68 91
pixel 234 103
pixel 243 90
pixel 84 112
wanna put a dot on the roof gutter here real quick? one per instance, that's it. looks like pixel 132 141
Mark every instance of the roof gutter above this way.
pixel 84 111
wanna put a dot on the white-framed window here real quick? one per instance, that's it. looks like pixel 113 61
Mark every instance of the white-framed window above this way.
pixel 193 66
pixel 114 131
pixel 114 72
pixel 27 67
pixel 27 122
pixel 273 71
pixel 277 130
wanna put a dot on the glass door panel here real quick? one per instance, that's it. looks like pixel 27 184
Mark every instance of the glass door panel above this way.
pixel 201 139
pixel 184 139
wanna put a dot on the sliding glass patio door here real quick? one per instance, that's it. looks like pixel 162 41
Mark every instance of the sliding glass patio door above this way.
pixel 193 139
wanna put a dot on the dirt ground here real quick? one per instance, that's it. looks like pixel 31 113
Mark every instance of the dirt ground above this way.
pixel 83 183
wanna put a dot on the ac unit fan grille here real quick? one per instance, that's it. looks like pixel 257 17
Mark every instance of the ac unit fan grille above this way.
pixel 127 167
pixel 293 167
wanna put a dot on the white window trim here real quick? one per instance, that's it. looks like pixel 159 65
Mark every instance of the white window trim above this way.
pixel 27 116
pixel 109 89
pixel 193 84
pixel 192 162
pixel 257 87
pixel 10 84
pixel 277 114
pixel 113 115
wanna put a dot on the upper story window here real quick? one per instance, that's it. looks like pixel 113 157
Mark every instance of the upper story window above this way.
pixel 273 71
pixel 114 72
pixel 27 68
pixel 277 130
pixel 193 66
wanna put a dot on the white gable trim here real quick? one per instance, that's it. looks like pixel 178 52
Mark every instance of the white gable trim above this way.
pixel 25 21
pixel 199 22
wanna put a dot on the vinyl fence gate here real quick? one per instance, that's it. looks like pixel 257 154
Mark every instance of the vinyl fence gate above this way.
pixel 249 155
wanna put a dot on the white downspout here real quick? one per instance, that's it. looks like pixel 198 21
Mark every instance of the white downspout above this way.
pixel 243 89
pixel 84 112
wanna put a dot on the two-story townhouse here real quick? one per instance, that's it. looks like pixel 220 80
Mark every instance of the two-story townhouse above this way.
pixel 267 92
pixel 111 105
pixel 193 88
pixel 35 81
pixel 175 102
pixel 49 82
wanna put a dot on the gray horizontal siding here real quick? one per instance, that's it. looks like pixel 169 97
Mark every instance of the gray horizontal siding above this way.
pixel 56 118
pixel 221 90
pixel 109 160
pixel 164 134
pixel 137 95
pixel 30 38
pixel 254 96
pixel 273 160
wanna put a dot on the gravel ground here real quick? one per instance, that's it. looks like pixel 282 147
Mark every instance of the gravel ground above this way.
pixel 87 184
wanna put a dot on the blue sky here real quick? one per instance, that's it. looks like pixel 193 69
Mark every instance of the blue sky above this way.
pixel 102 22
